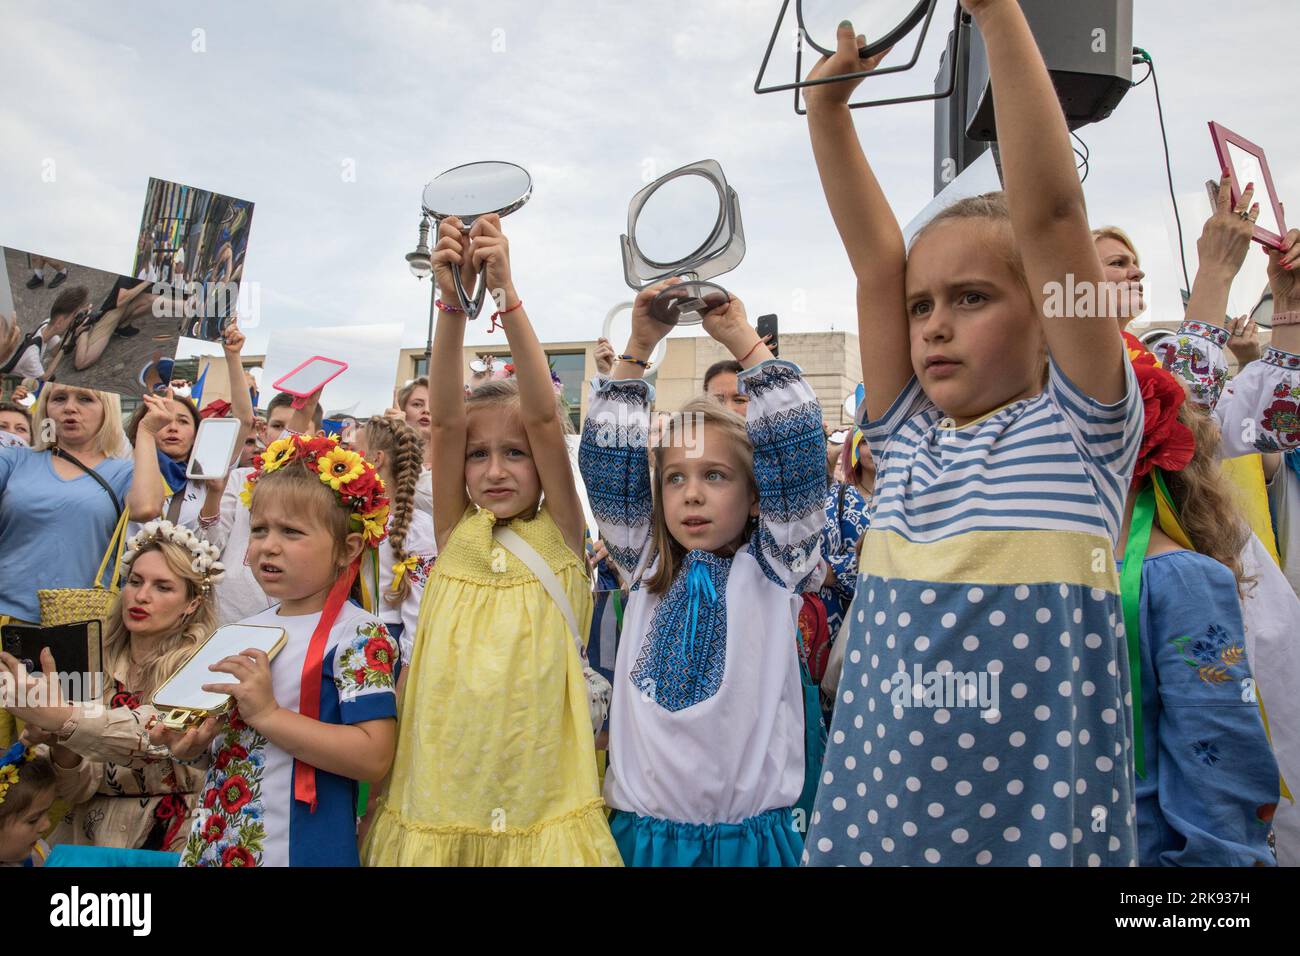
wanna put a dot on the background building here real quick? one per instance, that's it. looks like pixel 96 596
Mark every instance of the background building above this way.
pixel 829 360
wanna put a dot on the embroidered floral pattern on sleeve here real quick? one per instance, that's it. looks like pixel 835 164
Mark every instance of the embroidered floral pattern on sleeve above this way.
pixel 419 574
pixel 366 662
pixel 1193 363
pixel 1213 655
pixel 228 828
pixel 1280 424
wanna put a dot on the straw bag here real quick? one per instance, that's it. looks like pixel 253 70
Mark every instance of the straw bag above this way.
pixel 68 605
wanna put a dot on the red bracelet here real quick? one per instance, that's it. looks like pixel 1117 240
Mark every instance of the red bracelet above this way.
pixel 443 307
pixel 741 360
pixel 500 312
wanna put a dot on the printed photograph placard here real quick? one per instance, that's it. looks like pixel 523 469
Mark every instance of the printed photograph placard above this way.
pixel 82 326
pixel 195 241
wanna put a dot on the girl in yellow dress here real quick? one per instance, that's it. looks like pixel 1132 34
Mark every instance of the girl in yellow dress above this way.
pixel 495 764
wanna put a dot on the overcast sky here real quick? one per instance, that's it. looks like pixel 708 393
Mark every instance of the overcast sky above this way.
pixel 331 116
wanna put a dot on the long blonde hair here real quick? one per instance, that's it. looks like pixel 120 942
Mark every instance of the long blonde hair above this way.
pixel 404 450
pixel 110 440
pixel 173 651
pixel 699 412
pixel 1204 500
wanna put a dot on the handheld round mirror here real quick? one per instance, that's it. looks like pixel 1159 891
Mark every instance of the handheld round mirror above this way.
pixel 469 192
pixel 618 329
pixel 678 219
pixel 883 22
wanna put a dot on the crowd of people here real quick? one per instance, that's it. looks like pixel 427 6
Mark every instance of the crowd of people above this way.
pixel 1036 608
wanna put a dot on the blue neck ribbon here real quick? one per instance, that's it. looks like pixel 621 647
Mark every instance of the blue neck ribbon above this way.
pixel 699 585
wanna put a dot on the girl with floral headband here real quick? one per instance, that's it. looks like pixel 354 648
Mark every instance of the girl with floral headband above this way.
pixel 27 791
pixel 123 791
pixel 281 789
pixel 1207 782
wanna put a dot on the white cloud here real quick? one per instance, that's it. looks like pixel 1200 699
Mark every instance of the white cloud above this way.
pixel 586 96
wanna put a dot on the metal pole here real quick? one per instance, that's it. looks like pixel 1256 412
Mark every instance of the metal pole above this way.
pixel 433 308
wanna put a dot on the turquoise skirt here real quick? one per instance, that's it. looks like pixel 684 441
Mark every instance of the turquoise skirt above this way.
pixel 768 839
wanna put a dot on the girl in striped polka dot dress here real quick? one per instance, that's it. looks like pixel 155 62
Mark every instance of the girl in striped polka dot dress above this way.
pixel 983 713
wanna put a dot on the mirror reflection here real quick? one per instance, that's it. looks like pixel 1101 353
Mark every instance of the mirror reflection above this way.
pixel 678 219
pixel 1247 168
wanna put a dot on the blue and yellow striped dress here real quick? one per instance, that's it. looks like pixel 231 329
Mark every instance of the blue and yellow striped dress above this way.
pixel 983 715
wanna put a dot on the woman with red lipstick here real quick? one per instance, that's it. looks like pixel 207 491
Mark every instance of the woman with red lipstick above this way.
pixel 125 792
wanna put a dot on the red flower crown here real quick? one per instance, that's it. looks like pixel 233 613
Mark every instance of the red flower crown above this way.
pixel 349 475
pixel 1167 443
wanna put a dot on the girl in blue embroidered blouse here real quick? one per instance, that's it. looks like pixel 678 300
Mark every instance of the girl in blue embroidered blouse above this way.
pixel 1207 781
pixel 706 748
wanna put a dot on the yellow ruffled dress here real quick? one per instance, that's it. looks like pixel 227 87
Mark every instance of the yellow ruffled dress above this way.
pixel 496 764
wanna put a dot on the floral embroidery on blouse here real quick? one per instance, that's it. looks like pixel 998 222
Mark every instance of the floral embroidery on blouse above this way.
pixel 367 661
pixel 228 830
pixel 1191 362
pixel 1283 416
pixel 123 697
pixel 1206 752
pixel 1212 654
pixel 419 574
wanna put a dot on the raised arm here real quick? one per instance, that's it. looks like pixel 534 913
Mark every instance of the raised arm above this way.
pixel 446 385
pixel 537 405
pixel 1046 200
pixel 1284 283
pixel 614 453
pixel 866 225
pixel 145 497
pixel 241 403
pixel 785 425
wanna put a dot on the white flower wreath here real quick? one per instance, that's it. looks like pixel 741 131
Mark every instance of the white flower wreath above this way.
pixel 205 555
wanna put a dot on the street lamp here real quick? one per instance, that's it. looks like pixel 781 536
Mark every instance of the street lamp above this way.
pixel 420 261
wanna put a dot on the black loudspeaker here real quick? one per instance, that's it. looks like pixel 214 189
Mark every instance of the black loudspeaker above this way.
pixel 1088 48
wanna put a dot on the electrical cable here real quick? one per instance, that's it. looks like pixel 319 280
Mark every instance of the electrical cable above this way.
pixel 1145 57
pixel 1084 157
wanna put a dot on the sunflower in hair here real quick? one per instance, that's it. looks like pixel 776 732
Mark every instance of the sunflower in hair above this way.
pixel 338 467
pixel 277 454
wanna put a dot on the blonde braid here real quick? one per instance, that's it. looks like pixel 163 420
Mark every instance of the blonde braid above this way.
pixel 402 444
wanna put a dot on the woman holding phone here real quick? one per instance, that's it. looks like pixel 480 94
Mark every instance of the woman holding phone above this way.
pixel 126 792
pixel 183 500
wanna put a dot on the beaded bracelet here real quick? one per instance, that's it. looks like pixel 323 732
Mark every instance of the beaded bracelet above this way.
pixel 1286 318
pixel 636 361
pixel 444 307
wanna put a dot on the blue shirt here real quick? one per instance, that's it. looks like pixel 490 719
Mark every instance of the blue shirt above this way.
pixel 53 532
pixel 1211 781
